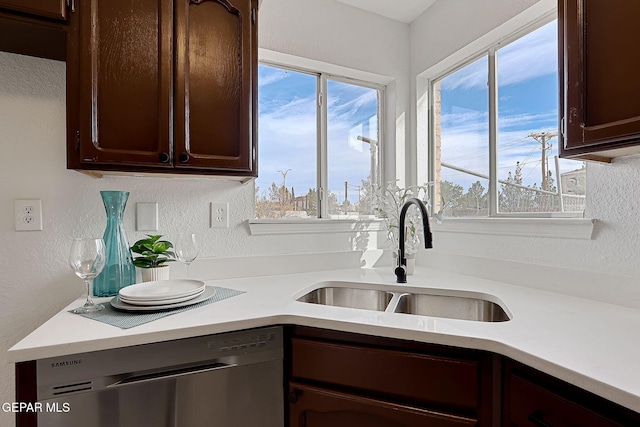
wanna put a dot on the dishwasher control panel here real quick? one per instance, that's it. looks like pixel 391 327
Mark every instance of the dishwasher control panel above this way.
pixel 246 341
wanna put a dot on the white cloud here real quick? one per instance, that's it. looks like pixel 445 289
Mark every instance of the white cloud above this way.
pixel 271 75
pixel 532 56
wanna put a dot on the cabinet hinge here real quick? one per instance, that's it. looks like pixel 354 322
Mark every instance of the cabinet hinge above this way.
pixel 71 5
pixel 77 141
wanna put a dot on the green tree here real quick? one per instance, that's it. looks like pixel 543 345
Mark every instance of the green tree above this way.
pixel 312 202
pixel 476 197
pixel 544 202
pixel 451 195
pixel 512 197
pixel 262 205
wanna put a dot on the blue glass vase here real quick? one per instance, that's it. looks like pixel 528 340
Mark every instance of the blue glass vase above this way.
pixel 119 270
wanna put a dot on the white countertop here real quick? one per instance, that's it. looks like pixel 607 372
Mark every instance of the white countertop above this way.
pixel 593 345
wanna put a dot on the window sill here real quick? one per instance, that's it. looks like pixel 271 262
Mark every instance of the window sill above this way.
pixel 261 227
pixel 562 228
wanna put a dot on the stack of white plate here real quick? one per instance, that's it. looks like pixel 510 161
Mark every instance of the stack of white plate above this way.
pixel 162 292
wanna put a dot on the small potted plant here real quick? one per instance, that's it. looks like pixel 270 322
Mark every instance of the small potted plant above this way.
pixel 154 254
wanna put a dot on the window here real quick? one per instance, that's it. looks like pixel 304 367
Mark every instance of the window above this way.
pixel 319 144
pixel 493 130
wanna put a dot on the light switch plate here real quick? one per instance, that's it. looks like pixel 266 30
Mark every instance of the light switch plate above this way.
pixel 146 216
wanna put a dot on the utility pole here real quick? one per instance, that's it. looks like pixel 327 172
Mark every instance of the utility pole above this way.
pixel 284 177
pixel 283 190
pixel 543 138
pixel 346 190
pixel 373 150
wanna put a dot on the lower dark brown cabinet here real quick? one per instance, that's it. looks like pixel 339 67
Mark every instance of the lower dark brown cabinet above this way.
pixel 339 379
pixel 319 407
pixel 534 399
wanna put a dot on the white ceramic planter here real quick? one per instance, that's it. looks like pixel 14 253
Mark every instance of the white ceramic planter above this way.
pixel 154 274
pixel 411 266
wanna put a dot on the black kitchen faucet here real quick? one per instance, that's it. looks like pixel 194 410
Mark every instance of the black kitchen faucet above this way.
pixel 401 269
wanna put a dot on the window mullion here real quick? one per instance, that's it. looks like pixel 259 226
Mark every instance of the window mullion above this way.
pixel 432 155
pixel 492 84
pixel 323 181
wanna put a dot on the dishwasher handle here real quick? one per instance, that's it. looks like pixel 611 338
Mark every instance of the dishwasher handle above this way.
pixel 174 373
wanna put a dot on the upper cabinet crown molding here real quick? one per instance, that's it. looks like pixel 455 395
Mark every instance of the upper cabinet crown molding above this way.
pixel 599 88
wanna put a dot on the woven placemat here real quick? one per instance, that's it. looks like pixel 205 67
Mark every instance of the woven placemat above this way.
pixel 126 320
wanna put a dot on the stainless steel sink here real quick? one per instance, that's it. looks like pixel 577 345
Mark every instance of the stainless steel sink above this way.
pixel 367 299
pixel 428 302
pixel 453 307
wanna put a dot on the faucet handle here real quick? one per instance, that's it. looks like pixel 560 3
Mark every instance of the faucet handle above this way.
pixel 401 269
pixel 401 274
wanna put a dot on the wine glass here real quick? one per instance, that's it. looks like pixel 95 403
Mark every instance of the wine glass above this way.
pixel 186 249
pixel 87 259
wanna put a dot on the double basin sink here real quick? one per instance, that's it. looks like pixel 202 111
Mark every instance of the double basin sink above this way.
pixel 450 304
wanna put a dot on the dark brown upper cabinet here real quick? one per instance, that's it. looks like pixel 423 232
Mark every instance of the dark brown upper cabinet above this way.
pixel 599 61
pixel 54 9
pixel 213 84
pixel 163 87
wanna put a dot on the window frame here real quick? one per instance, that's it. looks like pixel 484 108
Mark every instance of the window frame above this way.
pixel 489 52
pixel 322 123
pixel 553 225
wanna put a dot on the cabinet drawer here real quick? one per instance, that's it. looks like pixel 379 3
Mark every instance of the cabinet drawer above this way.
pixel 318 407
pixel 533 406
pixel 401 375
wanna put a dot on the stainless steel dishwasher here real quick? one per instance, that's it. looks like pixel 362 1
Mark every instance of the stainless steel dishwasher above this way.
pixel 231 379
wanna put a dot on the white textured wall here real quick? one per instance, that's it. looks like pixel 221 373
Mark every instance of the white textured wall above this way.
pixel 612 188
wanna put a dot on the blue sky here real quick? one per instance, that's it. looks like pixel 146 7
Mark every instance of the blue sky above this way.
pixel 288 138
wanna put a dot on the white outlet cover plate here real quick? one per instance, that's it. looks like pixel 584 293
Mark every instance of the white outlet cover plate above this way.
pixel 28 214
pixel 220 215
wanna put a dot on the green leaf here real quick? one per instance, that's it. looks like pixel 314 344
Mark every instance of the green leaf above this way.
pixel 152 251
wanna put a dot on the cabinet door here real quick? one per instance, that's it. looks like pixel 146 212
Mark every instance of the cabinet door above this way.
pixel 531 398
pixel 124 84
pixel 317 407
pixel 533 406
pixel 216 68
pixel 55 9
pixel 599 53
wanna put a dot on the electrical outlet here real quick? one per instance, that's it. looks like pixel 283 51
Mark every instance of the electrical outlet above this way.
pixel 28 214
pixel 220 215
